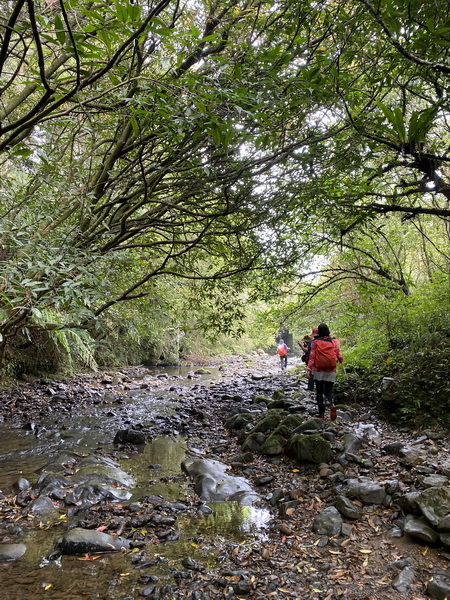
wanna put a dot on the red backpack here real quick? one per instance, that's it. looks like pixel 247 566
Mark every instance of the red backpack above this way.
pixel 281 350
pixel 325 357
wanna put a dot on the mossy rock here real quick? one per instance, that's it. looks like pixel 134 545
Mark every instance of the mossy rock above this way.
pixel 300 395
pixel 282 430
pixel 309 425
pixel 309 449
pixel 270 421
pixel 253 442
pixel 278 394
pixel 280 404
pixel 273 445
pixel 258 399
pixel 238 422
pixel 293 421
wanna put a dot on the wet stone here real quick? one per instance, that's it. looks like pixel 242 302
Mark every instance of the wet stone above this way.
pixel 82 541
pixel 439 589
pixel 11 552
pixel 129 436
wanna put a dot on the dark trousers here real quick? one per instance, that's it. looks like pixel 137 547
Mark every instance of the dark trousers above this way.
pixel 283 361
pixel 324 388
pixel 311 382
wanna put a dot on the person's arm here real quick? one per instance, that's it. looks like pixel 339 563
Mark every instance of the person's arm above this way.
pixel 339 356
pixel 312 356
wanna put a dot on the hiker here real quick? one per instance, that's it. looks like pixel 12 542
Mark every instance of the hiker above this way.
pixel 304 345
pixel 282 351
pixel 324 356
pixel 309 374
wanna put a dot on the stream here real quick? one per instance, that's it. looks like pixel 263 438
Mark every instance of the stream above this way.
pixel 156 467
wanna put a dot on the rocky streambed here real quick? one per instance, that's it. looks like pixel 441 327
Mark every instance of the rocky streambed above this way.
pixel 218 484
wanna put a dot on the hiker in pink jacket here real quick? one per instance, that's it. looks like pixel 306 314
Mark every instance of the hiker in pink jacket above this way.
pixel 325 354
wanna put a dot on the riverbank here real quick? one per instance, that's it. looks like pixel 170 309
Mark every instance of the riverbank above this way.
pixel 367 557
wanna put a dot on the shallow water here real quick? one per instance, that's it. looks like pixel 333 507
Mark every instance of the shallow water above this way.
pixel 157 470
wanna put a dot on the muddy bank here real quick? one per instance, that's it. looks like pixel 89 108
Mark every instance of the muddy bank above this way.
pixel 336 527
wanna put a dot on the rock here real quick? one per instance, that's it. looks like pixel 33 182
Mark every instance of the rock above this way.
pixel 435 481
pixel 328 522
pixel 411 458
pixel 246 457
pixel 352 443
pixel 42 505
pixel 129 436
pixel 273 445
pixel 202 371
pixel 102 469
pixel 346 507
pixel 403 581
pixel 269 422
pixel 420 529
pixel 212 482
pixel 21 485
pixel 253 442
pixel 435 504
pixel 258 399
pixel 11 552
pixel 238 422
pixel 439 589
pixel 309 448
pixel 264 480
pixel 394 448
pixel 88 541
pixel 365 490
pixel 409 503
pixel 309 425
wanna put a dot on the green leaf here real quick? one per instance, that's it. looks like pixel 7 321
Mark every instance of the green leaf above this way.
pixel 59 30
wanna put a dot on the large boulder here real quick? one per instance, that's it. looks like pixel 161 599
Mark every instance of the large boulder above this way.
pixel 89 541
pixel 309 449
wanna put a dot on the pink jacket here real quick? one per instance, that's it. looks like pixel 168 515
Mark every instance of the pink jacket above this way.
pixel 312 356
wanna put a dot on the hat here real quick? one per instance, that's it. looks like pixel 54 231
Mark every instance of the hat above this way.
pixel 315 331
pixel 307 338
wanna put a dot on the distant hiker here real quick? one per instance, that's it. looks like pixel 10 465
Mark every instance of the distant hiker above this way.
pixel 282 351
pixel 309 374
pixel 324 356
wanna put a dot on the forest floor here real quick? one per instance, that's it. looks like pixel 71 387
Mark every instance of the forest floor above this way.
pixel 369 560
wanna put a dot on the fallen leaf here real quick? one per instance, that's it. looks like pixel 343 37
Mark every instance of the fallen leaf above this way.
pixel 47 587
pixel 364 551
pixel 102 528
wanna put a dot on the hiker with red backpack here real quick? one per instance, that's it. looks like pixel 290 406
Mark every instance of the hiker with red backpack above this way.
pixel 309 374
pixel 282 351
pixel 324 356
